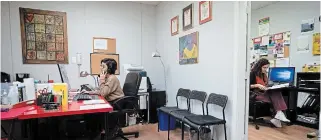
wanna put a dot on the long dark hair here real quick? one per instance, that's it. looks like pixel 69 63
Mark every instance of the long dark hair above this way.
pixel 257 68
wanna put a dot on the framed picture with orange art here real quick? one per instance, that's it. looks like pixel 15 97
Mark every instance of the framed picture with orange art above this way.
pixel 174 25
pixel 205 11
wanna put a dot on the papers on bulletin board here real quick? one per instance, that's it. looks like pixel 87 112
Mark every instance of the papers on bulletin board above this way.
pixel 100 44
pixel 272 63
pixel 265 40
pixel 264 26
pixel 282 62
pixel 286 37
pixel 307 25
pixel 303 44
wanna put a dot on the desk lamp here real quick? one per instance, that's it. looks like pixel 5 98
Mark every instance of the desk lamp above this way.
pixel 85 74
pixel 156 54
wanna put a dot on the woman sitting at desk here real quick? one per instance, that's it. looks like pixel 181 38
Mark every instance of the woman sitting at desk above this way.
pixel 258 83
pixel 109 86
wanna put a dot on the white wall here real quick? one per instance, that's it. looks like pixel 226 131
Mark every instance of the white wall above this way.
pixel 287 16
pixel 85 20
pixel 219 56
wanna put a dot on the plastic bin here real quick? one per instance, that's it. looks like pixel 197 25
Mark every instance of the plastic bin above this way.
pixel 163 121
pixel 205 134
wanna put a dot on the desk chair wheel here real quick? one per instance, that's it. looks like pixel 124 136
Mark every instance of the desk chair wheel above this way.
pixel 257 127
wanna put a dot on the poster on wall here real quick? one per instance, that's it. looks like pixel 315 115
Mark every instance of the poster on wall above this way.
pixel 316 44
pixel 303 44
pixel 188 49
pixel 264 26
pixel 307 25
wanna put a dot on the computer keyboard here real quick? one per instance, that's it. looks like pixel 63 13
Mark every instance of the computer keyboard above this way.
pixel 279 86
pixel 85 96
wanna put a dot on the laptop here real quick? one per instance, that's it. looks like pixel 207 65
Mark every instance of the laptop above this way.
pixel 281 77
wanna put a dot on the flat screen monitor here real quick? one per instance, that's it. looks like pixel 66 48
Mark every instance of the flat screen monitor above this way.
pixel 282 74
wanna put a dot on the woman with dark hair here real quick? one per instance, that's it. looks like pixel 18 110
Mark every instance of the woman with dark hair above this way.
pixel 258 83
pixel 109 85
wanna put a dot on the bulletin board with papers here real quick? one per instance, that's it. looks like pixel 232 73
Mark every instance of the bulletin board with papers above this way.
pixel 274 47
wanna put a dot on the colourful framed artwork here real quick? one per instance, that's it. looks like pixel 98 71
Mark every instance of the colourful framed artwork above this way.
pixel 188 49
pixel 43 36
pixel 174 25
pixel 188 17
pixel 205 11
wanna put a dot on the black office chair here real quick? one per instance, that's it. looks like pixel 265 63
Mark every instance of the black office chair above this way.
pixel 126 105
pixel 182 113
pixel 258 110
pixel 180 93
pixel 5 77
pixel 199 121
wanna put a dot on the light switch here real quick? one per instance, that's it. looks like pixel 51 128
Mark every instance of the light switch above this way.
pixel 74 60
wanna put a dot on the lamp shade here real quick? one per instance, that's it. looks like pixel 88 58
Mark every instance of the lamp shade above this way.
pixel 155 54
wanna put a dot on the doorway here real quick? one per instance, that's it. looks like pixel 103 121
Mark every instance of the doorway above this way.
pixel 283 33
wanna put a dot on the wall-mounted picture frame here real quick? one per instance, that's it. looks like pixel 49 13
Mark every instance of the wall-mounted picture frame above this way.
pixel 44 36
pixel 174 25
pixel 205 12
pixel 188 17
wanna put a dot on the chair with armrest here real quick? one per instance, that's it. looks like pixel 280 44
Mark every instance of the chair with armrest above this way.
pixel 179 115
pixel 127 104
pixel 199 121
pixel 258 110
pixel 183 93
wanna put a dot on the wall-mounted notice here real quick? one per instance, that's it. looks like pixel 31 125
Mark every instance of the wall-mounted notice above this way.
pixel 264 26
pixel 307 25
pixel 100 44
pixel 303 44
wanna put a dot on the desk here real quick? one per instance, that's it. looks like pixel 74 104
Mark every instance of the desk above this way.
pixel 12 116
pixel 34 112
pixel 293 111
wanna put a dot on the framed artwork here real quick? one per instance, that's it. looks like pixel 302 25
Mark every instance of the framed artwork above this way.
pixel 174 25
pixel 188 49
pixel 205 11
pixel 188 17
pixel 95 59
pixel 43 36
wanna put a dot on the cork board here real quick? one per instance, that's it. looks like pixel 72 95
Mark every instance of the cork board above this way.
pixel 110 45
pixel 95 59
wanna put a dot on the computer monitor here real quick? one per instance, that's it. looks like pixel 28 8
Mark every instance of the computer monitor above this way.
pixel 282 74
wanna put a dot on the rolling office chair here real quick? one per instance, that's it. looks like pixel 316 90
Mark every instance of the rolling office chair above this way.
pixel 258 110
pixel 126 105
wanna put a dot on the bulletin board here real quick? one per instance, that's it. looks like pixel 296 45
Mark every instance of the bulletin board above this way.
pixel 273 47
pixel 104 45
pixel 95 59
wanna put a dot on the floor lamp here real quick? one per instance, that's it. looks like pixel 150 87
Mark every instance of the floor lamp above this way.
pixel 156 54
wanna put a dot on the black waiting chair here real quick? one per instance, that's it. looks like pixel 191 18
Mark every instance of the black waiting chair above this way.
pixel 181 114
pixel 180 93
pixel 126 105
pixel 258 110
pixel 199 121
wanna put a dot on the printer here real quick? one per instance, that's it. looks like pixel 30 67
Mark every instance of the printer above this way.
pixel 145 85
